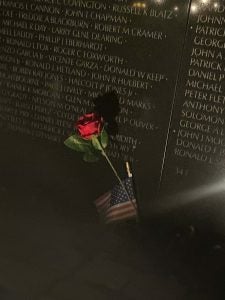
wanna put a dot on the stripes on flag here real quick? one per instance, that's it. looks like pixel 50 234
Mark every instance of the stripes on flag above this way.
pixel 102 203
pixel 115 204
pixel 121 212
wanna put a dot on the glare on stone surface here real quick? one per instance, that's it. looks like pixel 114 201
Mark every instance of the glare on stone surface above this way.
pixel 139 4
pixel 205 1
pixel 194 8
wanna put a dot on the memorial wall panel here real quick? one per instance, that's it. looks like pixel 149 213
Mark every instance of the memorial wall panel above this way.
pixel 194 168
pixel 58 56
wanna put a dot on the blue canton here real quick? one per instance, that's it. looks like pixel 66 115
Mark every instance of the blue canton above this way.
pixel 118 195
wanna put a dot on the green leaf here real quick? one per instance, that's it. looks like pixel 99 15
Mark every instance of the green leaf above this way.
pixel 104 138
pixel 76 143
pixel 90 157
pixel 96 144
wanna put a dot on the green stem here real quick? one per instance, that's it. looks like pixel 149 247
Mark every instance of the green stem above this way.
pixel 116 174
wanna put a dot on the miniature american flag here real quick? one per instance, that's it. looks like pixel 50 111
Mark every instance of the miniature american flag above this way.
pixel 115 204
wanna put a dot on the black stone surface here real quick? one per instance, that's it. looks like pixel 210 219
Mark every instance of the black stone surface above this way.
pixel 52 245
pixel 193 177
pixel 60 57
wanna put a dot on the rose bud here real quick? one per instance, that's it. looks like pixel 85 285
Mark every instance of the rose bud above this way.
pixel 89 125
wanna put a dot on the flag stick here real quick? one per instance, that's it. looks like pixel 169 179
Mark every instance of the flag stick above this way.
pixel 117 175
pixel 128 170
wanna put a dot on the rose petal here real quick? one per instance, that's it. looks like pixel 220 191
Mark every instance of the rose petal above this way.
pixel 89 125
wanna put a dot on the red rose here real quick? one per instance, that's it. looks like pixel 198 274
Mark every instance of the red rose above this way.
pixel 89 125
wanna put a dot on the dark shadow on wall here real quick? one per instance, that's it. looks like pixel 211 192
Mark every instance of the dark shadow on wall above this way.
pixel 108 107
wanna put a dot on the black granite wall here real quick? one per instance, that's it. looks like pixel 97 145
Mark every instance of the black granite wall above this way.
pixel 162 61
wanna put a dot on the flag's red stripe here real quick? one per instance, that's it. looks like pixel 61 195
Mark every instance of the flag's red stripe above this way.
pixel 120 211
pixel 103 207
pixel 103 203
pixel 120 206
pixel 123 216
pixel 102 199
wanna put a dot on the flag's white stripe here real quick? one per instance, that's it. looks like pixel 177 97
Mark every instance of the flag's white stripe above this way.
pixel 119 210
pixel 103 207
pixel 121 205
pixel 103 203
pixel 101 200
pixel 123 216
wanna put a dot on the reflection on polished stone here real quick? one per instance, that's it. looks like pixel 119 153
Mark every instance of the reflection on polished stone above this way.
pixel 139 4
pixel 213 6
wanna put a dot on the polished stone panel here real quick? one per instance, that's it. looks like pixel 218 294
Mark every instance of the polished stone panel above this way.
pixel 61 59
pixel 155 70
pixel 193 177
